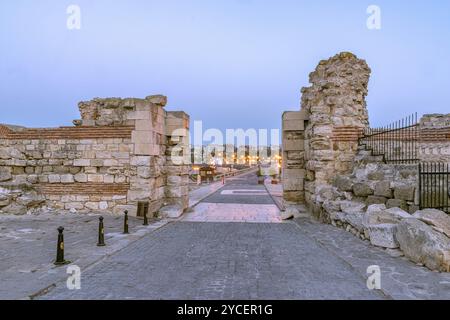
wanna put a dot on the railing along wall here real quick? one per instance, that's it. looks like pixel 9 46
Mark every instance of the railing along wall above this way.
pixel 434 186
pixel 398 142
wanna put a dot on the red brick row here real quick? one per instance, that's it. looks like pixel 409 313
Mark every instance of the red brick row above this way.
pixel 89 188
pixel 105 132
pixel 346 134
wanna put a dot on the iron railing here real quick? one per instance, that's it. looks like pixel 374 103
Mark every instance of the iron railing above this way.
pixel 434 186
pixel 397 143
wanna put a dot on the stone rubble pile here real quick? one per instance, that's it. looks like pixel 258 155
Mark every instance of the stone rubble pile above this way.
pixel 377 203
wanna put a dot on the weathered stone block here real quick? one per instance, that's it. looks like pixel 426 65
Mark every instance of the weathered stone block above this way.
pixel 97 163
pixel 438 220
pixel 107 178
pixel 142 137
pixel 145 172
pixel 383 235
pixel 140 160
pixel 171 211
pixel 143 125
pixel 110 162
pixel 343 183
pixel 74 205
pixel 295 115
pixel 293 184
pixel 67 178
pixel 294 145
pixel 406 193
pixel 98 178
pixel 293 125
pixel 81 177
pixel 294 173
pixel 103 205
pixel 396 203
pixel 91 205
pixel 90 170
pixel 375 200
pixel 174 180
pixel 139 115
pixel 5 174
pixel 146 149
pixel 352 206
pixel 362 190
pixel 420 243
pixel 159 100
pixel 4 200
pixel 33 178
pixel 176 191
pixel 355 219
pixel 81 162
pixel 383 189
pixel 138 195
pixel 294 196
pixel 378 214
pixel 18 170
pixel 54 178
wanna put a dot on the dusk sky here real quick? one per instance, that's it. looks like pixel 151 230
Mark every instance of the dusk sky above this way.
pixel 230 63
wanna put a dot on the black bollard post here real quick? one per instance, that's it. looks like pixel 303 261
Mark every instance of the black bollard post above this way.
pixel 125 223
pixel 60 249
pixel 101 233
pixel 145 218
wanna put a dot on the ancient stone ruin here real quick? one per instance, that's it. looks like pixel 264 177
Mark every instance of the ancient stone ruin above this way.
pixel 117 155
pixel 328 169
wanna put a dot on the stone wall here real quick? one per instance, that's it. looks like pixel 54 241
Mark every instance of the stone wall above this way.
pixel 112 158
pixel 434 145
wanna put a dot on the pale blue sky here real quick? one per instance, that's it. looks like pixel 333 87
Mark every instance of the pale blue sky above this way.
pixel 229 63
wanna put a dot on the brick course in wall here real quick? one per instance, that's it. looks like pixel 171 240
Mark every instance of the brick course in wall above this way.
pixel 434 144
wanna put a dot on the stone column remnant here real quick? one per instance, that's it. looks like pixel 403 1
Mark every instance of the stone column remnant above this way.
pixel 335 115
pixel 337 112
pixel 294 156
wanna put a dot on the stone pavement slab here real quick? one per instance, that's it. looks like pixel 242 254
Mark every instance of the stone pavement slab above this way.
pixel 231 212
pixel 400 278
pixel 200 193
pixel 185 260
pixel 249 194
pixel 28 247
pixel 197 195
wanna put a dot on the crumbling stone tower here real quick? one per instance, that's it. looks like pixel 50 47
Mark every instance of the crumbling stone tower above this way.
pixel 332 117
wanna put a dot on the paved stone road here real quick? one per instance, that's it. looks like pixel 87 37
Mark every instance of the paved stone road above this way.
pixel 240 200
pixel 28 247
pixel 191 260
pixel 188 260
pixel 299 259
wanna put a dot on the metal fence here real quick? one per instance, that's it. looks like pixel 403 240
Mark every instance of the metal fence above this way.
pixel 397 143
pixel 434 186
